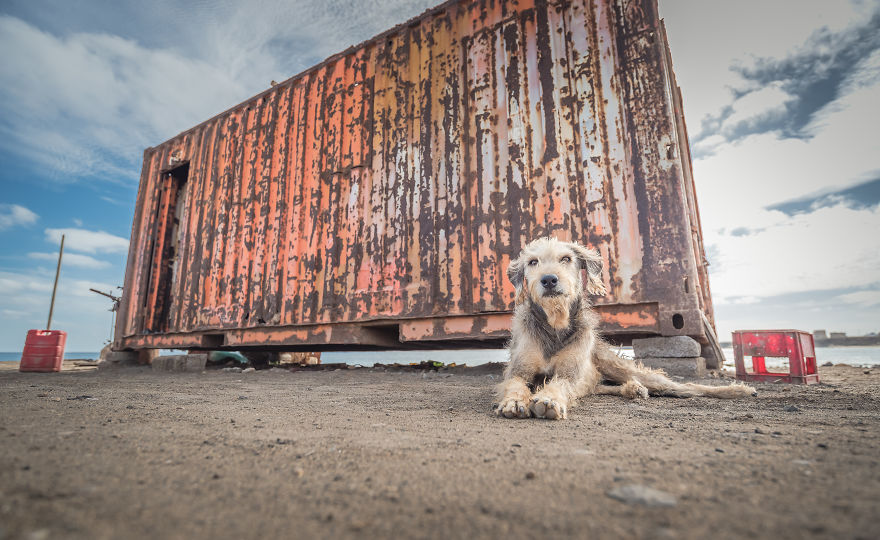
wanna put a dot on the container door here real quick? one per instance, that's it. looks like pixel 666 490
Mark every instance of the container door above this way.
pixel 164 267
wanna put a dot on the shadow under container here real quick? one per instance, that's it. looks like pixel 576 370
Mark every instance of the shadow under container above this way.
pixel 376 199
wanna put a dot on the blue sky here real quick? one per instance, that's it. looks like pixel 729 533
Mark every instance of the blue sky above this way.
pixel 782 106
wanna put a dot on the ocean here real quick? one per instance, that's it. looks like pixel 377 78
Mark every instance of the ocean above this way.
pixel 854 356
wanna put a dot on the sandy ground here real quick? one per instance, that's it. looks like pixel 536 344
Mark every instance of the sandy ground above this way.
pixel 130 453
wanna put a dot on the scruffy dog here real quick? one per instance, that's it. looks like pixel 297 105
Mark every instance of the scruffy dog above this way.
pixel 555 346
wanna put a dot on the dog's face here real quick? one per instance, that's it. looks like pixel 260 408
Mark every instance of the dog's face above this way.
pixel 548 272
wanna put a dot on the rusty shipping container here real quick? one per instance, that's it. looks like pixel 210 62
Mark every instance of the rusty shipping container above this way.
pixel 376 199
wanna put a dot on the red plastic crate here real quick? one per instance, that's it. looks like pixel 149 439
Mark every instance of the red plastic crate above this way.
pixel 795 345
pixel 43 350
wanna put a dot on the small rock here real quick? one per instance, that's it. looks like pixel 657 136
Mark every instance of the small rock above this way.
pixel 298 472
pixel 760 431
pixel 644 495
pixel 216 476
pixel 827 364
pixel 792 408
pixel 248 370
pixel 530 475
pixel 822 445
pixel 867 372
pixel 39 534
pixel 666 347
pixel 516 444
pixel 719 450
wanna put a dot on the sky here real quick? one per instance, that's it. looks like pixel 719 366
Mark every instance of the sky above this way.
pixel 781 98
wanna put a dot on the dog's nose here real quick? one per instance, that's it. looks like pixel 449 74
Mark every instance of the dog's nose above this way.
pixel 549 281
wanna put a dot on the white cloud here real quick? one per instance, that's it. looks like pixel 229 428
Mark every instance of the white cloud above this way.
pixel 82 314
pixel 12 215
pixel 827 249
pixel 72 259
pixel 89 103
pixel 862 298
pixel 703 52
pixel 88 241
pixel 757 105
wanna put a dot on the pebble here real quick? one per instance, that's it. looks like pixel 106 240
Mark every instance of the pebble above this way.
pixel 530 475
pixel 827 364
pixel 760 430
pixel 719 450
pixel 643 495
pixel 248 370
pixel 792 408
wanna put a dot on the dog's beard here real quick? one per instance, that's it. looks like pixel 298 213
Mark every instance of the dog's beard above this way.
pixel 558 310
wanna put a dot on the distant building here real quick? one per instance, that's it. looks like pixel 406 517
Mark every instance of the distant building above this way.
pixel 819 334
pixel 838 335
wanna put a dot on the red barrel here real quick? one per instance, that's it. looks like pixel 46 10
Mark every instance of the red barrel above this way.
pixel 43 350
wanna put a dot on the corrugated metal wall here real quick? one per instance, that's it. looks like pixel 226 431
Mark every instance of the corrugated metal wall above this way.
pixel 397 179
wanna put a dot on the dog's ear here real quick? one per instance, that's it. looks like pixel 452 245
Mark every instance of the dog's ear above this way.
pixel 591 261
pixel 516 272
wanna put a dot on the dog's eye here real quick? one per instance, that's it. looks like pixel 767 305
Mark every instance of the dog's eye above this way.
pixel 566 259
pixel 533 262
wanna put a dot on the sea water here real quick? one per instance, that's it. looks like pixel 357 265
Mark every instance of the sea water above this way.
pixel 854 356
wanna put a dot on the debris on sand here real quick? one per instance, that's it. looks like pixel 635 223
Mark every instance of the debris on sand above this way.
pixel 644 495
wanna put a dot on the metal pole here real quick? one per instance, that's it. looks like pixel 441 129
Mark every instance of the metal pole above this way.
pixel 55 287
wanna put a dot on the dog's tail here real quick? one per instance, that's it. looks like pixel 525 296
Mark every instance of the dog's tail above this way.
pixel 621 370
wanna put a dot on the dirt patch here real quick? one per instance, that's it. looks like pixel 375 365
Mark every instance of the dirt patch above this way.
pixel 366 453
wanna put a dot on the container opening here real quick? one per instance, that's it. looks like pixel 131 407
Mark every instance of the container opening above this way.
pixel 678 321
pixel 165 245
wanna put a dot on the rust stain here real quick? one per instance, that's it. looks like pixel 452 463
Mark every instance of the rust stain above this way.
pixel 394 182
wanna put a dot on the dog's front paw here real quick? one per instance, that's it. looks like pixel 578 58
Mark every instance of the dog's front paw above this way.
pixel 545 407
pixel 634 390
pixel 513 408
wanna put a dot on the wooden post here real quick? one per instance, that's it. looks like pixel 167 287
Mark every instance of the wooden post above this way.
pixel 55 287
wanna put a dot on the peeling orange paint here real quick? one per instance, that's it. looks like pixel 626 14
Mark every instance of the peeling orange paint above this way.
pixel 395 181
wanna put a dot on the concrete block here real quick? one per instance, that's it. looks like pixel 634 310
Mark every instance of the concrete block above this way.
pixel 689 368
pixel 180 362
pixel 666 347
pixel 115 359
